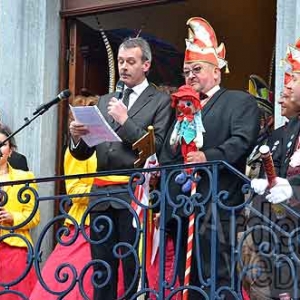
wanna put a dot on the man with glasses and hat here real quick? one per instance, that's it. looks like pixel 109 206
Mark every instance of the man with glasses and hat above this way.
pixel 288 159
pixel 286 189
pixel 231 122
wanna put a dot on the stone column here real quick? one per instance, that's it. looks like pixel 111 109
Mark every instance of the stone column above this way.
pixel 29 52
pixel 287 31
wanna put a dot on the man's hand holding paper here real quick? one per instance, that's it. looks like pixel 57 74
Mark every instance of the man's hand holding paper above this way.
pixel 91 126
pixel 78 130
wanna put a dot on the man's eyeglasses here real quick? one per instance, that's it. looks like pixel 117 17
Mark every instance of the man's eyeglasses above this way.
pixel 283 95
pixel 194 71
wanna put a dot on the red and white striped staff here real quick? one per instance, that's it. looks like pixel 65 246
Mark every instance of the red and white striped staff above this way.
pixel 270 171
pixel 189 252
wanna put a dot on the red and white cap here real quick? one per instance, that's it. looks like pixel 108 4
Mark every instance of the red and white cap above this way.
pixel 293 57
pixel 202 44
pixel 186 92
pixel 287 78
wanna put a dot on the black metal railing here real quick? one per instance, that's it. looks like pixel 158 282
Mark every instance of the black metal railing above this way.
pixel 245 243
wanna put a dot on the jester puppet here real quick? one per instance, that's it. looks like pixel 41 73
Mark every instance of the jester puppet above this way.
pixel 188 130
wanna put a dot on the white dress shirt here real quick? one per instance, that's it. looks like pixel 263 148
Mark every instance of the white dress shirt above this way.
pixel 137 91
pixel 209 94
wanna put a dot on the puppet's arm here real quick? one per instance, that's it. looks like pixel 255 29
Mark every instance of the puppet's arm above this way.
pixel 175 136
pixel 199 129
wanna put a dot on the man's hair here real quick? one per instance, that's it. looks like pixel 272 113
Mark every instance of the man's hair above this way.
pixel 141 43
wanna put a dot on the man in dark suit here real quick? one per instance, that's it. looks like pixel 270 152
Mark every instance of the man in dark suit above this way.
pixel 129 117
pixel 269 284
pixel 287 160
pixel 287 188
pixel 289 109
pixel 231 123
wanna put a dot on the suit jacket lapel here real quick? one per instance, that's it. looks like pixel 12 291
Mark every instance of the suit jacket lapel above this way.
pixel 208 106
pixel 291 140
pixel 141 101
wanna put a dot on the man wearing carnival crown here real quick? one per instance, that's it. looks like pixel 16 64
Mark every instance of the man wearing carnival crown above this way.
pixel 289 158
pixel 287 187
pixel 231 122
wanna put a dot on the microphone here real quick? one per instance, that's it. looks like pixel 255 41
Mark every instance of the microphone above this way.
pixel 61 96
pixel 120 89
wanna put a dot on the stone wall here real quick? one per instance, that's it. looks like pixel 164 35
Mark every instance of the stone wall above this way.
pixel 29 52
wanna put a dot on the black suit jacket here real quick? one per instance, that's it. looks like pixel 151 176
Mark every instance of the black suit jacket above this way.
pixel 231 122
pixel 18 161
pixel 151 108
pixel 286 150
pixel 282 143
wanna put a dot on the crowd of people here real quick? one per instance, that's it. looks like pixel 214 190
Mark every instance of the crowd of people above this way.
pixel 232 125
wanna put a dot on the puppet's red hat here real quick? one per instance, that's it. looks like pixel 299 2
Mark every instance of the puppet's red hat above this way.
pixel 186 92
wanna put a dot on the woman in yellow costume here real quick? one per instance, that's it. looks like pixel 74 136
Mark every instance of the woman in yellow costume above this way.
pixel 17 208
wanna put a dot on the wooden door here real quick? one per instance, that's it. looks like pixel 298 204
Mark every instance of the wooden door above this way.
pixel 88 66
pixel 83 65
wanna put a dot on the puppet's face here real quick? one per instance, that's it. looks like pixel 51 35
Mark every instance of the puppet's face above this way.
pixel 186 107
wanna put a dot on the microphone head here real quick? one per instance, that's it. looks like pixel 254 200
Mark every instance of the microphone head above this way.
pixel 120 86
pixel 64 94
pixel 120 89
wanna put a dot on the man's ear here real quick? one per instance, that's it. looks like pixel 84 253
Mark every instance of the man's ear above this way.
pixel 146 66
pixel 217 73
pixel 270 121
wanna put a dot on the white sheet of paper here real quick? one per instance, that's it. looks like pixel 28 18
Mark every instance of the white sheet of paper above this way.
pixel 100 131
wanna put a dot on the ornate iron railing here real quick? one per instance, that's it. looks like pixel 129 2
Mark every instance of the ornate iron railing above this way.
pixel 259 245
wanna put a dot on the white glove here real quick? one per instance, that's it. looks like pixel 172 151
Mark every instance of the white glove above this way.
pixel 154 164
pixel 295 159
pixel 259 185
pixel 198 140
pixel 280 192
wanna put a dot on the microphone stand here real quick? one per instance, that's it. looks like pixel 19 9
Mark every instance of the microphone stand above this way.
pixel 27 122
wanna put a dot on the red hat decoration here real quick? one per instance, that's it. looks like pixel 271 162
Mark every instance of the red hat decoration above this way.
pixel 293 56
pixel 202 44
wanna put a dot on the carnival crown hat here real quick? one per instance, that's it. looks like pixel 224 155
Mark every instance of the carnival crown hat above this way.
pixel 288 69
pixel 261 91
pixel 202 44
pixel 293 56
pixel 186 92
